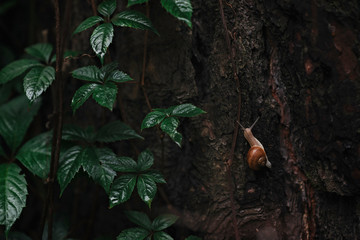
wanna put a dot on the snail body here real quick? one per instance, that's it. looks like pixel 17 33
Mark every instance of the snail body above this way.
pixel 256 156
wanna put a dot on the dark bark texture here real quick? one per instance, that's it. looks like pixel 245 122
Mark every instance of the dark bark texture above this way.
pixel 298 65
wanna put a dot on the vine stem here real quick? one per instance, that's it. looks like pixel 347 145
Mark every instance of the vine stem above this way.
pixel 236 127
pixel 58 117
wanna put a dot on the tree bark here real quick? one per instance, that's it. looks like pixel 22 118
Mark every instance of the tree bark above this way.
pixel 298 65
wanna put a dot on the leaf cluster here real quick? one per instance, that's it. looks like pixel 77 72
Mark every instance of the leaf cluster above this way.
pixel 102 86
pixel 147 229
pixel 168 119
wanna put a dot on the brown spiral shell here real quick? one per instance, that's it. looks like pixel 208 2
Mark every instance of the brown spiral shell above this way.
pixel 256 157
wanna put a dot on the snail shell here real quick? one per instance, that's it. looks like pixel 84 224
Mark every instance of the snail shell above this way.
pixel 256 156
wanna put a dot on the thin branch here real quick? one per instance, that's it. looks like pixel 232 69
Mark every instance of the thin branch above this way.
pixel 236 127
pixel 58 115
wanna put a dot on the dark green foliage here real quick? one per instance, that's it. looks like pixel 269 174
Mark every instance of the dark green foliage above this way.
pixel 140 174
pixel 168 119
pixel 13 193
pixel 147 228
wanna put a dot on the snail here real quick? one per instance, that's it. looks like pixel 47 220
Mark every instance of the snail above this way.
pixel 256 156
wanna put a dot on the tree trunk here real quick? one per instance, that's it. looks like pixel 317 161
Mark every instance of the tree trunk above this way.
pixel 298 66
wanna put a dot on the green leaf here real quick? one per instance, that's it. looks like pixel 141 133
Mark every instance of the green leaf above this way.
pixel 92 164
pixel 139 218
pixel 69 165
pixel 192 237
pixel 107 7
pixel 118 77
pixel 15 118
pixel 168 111
pixel 108 68
pixel 133 19
pixel 123 164
pixel 186 110
pixel 152 119
pixel 133 234
pixel 116 131
pixel 133 2
pixel 105 95
pixel 35 155
pixel 37 81
pixel 155 175
pixel 169 126
pixel 162 236
pixel 181 9
pixel 145 160
pixel 146 189
pixel 17 68
pixel 122 189
pixel 76 133
pixel 88 73
pixel 176 137
pixel 163 221
pixel 82 94
pixel 88 23
pixel 13 193
pixel 41 51
pixel 101 38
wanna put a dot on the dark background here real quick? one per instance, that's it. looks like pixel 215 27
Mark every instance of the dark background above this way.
pixel 298 68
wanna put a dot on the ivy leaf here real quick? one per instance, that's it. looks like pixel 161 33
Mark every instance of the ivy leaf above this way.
pixel 169 126
pixel 107 7
pixel 82 94
pixel 163 221
pixel 133 2
pixel 133 234
pixel 37 81
pixel 35 155
pixel 155 175
pixel 101 38
pixel 101 173
pixel 139 218
pixel 13 193
pixel 16 68
pixel 123 164
pixel 88 73
pixel 69 165
pixel 15 118
pixel 122 189
pixel 146 189
pixel 168 111
pixel 116 131
pixel 152 119
pixel 108 68
pixel 181 9
pixel 186 110
pixel 118 77
pixel 145 160
pixel 41 51
pixel 88 23
pixel 60 229
pixel 162 236
pixel 105 95
pixel 176 137
pixel 76 133
pixel 133 19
